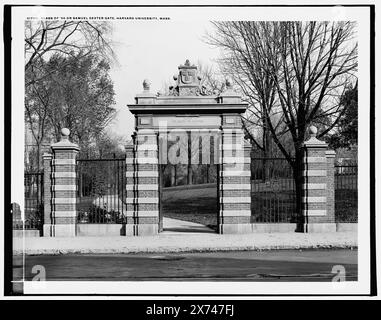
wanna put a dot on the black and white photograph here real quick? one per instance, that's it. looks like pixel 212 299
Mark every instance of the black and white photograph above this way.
pixel 196 149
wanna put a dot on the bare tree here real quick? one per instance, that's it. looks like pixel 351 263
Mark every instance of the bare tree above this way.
pixel 246 64
pixel 37 115
pixel 212 80
pixel 69 38
pixel 293 75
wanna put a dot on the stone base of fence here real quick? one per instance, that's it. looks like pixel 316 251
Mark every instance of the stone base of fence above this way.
pixel 142 229
pixel 319 227
pixel 97 229
pixel 59 230
pixel 346 227
pixel 273 227
pixel 236 228
pixel 26 233
pixel 281 228
pixel 100 230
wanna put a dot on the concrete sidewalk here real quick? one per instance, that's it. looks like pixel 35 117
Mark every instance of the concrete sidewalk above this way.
pixel 186 242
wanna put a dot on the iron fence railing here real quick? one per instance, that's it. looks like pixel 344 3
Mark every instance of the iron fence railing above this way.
pixel 273 191
pixel 101 190
pixel 346 193
pixel 33 202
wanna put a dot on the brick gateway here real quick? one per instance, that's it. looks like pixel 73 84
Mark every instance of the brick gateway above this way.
pixel 185 111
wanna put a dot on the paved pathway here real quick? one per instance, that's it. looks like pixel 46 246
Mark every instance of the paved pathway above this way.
pixel 175 226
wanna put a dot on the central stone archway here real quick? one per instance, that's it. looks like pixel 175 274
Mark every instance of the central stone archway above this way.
pixel 187 110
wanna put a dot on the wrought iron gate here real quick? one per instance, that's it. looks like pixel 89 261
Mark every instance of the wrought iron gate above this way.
pixel 101 190
pixel 346 193
pixel 33 202
pixel 273 191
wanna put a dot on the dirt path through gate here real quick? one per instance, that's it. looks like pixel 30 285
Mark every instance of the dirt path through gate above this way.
pixel 191 204
pixel 175 226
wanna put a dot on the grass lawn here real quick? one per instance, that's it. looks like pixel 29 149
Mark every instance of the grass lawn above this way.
pixel 194 204
pixel 199 205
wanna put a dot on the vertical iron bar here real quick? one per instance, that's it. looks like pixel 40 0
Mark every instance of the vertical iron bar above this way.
pixel 117 191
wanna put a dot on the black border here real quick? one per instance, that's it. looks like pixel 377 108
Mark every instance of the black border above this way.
pixel 8 236
pixel 372 178
pixel 7 151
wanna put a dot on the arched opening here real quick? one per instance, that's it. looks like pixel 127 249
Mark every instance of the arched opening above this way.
pixel 189 197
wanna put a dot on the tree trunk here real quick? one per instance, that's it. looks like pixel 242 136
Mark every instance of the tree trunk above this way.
pixel 38 156
pixel 189 175
pixel 298 179
pixel 266 154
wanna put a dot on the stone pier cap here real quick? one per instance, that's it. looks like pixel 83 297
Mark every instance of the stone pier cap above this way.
pixel 187 94
pixel 65 143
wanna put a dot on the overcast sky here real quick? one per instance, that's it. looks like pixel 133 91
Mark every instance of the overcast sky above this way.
pixel 153 50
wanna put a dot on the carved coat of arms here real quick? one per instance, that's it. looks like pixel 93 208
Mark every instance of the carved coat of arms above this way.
pixel 187 76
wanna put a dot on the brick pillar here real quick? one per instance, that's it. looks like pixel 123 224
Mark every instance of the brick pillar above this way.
pixel 235 188
pixel 130 190
pixel 318 186
pixel 331 155
pixel 64 187
pixel 47 163
pixel 143 179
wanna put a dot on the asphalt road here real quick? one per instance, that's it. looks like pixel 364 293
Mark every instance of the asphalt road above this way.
pixel 282 265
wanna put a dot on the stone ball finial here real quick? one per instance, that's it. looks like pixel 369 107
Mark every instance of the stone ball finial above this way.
pixel 313 131
pixel 65 132
pixel 146 84
pixel 187 62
